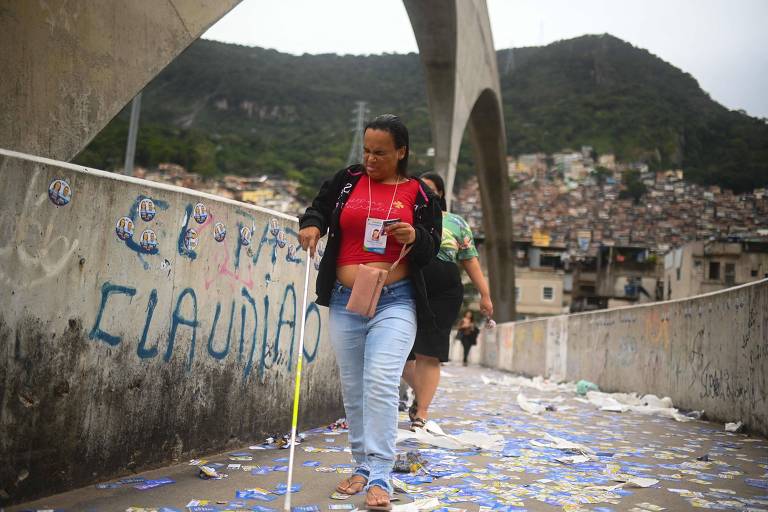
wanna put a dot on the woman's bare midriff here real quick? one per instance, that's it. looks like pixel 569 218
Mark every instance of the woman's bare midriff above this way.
pixel 346 274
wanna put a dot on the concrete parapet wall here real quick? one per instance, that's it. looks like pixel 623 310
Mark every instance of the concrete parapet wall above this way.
pixel 115 357
pixel 707 352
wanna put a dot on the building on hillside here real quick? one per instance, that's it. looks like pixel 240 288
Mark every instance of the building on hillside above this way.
pixel 533 165
pixel 608 161
pixel 542 280
pixel 615 276
pixel 707 266
pixel 257 196
pixel 563 161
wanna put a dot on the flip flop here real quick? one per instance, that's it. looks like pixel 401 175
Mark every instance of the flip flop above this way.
pixel 358 480
pixel 417 423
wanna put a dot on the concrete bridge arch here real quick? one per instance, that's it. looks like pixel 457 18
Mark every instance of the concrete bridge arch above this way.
pixel 459 61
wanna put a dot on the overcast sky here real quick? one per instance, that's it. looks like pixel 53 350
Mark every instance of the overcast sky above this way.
pixel 722 43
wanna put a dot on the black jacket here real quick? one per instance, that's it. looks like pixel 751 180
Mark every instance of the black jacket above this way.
pixel 325 214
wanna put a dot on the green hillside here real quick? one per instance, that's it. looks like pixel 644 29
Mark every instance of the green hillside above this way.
pixel 222 108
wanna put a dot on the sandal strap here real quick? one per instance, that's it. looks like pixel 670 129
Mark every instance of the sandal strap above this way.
pixel 418 423
pixel 354 480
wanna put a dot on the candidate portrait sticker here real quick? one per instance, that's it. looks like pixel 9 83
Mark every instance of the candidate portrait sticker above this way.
pixel 59 192
pixel 148 240
pixel 147 210
pixel 124 228
pixel 191 240
pixel 200 213
pixel 245 236
pixel 219 232
pixel 282 238
pixel 274 227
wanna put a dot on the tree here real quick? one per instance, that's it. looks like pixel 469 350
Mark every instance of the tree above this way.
pixel 633 186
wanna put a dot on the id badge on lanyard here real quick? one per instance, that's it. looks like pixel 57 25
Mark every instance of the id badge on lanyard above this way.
pixel 375 239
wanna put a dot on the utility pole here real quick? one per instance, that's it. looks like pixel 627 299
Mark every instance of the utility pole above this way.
pixel 356 151
pixel 509 66
pixel 133 129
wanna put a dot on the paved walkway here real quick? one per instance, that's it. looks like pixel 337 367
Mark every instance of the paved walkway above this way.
pixel 697 464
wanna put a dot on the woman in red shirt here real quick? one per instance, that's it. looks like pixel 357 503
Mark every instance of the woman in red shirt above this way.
pixel 370 212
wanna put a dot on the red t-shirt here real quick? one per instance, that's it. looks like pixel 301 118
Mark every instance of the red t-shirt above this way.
pixel 355 213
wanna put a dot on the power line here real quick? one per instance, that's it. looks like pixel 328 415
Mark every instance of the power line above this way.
pixel 356 151
pixel 133 129
pixel 509 66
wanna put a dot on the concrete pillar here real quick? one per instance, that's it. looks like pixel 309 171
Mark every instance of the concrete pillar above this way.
pixel 68 67
pixel 456 50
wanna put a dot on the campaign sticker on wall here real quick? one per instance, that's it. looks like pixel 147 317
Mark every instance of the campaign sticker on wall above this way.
pixel 124 228
pixel 148 240
pixel 317 263
pixel 60 192
pixel 200 213
pixel 291 256
pixel 219 232
pixel 245 236
pixel 191 240
pixel 321 248
pixel 274 226
pixel 281 239
pixel 147 210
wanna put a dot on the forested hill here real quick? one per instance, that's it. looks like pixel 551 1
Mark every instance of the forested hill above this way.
pixel 223 108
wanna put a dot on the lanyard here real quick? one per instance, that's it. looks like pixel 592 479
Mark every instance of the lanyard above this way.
pixel 390 203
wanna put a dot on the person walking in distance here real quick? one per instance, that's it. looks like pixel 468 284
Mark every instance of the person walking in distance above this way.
pixel 468 333
pixel 370 212
pixel 446 294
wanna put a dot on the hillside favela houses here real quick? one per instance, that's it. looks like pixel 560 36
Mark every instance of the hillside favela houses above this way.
pixel 274 193
pixel 593 233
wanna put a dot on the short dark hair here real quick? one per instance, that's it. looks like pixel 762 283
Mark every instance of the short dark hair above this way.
pixel 392 124
pixel 439 183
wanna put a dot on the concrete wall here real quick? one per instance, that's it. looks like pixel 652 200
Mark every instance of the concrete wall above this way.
pixel 707 352
pixel 68 67
pixel 114 358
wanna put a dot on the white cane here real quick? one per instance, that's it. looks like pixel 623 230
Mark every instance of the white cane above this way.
pixel 294 421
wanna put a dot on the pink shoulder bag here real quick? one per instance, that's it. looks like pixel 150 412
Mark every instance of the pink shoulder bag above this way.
pixel 368 284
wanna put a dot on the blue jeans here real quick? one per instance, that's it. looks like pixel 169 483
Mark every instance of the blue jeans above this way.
pixel 371 354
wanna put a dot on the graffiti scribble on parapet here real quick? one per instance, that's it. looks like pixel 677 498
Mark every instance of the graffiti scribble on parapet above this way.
pixel 203 219
pixel 185 319
pixel 240 271
pixel 656 328
pixel 41 251
pixel 144 208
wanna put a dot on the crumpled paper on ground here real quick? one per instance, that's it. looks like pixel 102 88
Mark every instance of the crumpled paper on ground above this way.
pixel 528 406
pixel 647 404
pixel 433 435
pixel 636 481
pixel 538 383
pixel 563 444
